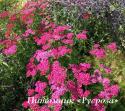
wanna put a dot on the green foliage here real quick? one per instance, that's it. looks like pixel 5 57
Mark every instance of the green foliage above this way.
pixel 116 62
pixel 10 4
pixel 13 80
pixel 98 30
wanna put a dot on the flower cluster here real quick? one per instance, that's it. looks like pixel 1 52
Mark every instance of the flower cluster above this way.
pixel 56 42
pixel 98 51
pixel 10 47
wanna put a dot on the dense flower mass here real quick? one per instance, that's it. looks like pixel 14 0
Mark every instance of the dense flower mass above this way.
pixel 56 43
pixel 52 77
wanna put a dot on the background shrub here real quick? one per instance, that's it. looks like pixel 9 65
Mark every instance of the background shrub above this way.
pixel 108 12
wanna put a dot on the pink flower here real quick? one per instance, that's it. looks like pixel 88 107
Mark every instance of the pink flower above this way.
pixel 25 104
pixel 34 107
pixel 43 67
pixel 96 77
pixel 114 90
pixel 109 92
pixel 44 6
pixel 60 51
pixel 98 52
pixel 58 91
pixel 86 93
pixel 73 89
pixel 31 69
pixel 44 108
pixel 57 75
pixel 40 87
pixel 43 39
pixel 86 16
pixel 28 32
pixel 33 99
pixel 106 82
pixel 85 66
pixel 11 50
pixel 75 69
pixel 57 37
pixel 97 106
pixel 57 107
pixel 83 79
pixel 83 93
pixel 4 14
pixel 69 35
pixel 66 41
pixel 28 11
pixel 12 17
pixel 61 29
pixel 30 21
pixel 112 47
pixel 96 46
pixel 42 55
pixel 82 36
pixel 30 92
pixel 47 46
pixel 54 52
pixel 106 69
